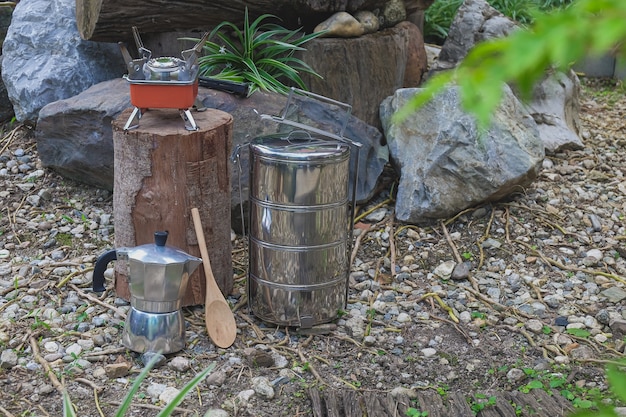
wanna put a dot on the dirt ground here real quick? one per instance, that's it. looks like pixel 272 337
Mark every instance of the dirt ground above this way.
pixel 471 357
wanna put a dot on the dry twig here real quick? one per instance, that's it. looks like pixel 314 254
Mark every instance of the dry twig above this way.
pixel 97 301
pixel 51 375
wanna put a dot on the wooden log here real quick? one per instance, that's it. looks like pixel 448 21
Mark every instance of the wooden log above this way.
pixel 353 404
pixel 111 20
pixel 316 402
pixel 431 402
pixel 162 171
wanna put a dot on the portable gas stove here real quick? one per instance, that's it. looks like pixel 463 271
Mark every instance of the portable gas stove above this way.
pixel 163 82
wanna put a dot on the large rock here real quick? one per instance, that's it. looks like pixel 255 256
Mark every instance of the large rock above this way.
pixel 555 106
pixel 447 165
pixel 6 108
pixel 45 60
pixel 74 136
pixel 474 22
pixel 373 154
pixel 363 71
pixel 554 102
pixel 75 139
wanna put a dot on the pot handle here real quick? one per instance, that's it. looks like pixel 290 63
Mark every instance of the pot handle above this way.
pixel 100 267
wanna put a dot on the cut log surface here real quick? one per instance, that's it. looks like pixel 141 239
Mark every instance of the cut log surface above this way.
pixel 111 20
pixel 161 172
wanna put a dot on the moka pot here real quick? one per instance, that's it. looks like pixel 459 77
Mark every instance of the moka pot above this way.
pixel 157 279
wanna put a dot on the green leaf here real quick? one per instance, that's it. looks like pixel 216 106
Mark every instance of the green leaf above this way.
pixel 579 332
pixel 617 381
pixel 68 408
pixel 128 399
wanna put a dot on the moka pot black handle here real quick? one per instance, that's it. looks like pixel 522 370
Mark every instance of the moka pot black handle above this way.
pixel 100 268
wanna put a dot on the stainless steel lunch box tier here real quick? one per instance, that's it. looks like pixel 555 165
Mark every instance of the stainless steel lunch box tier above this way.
pixel 299 229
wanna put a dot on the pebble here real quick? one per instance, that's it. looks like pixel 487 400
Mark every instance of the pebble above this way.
pixel 263 387
pixel 169 394
pixel 614 294
pixel 429 352
pixel 444 270
pixel 180 364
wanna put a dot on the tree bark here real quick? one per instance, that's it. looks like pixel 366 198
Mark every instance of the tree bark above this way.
pixel 162 171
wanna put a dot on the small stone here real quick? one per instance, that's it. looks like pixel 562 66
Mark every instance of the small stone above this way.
pixel 465 316
pixel 535 326
pixel 259 358
pixel 155 389
pixel 515 375
pixel 600 338
pixel 216 412
pixel 618 327
pixel 216 378
pixel 429 352
pixel 51 347
pixel 595 254
pixel 342 25
pixel 8 359
pixel 561 321
pixel 244 396
pixel 180 364
pixel 603 316
pixel 461 271
pixel 74 349
pixel 369 340
pixel 595 223
pixel 491 243
pixel 116 370
pixel 582 353
pixel 562 360
pixel 404 392
pixel 444 270
pixel 614 294
pixel 403 318
pixel 263 387
pixel 169 394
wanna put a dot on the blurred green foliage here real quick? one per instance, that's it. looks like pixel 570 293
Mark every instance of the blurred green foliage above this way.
pixel 440 14
pixel 554 40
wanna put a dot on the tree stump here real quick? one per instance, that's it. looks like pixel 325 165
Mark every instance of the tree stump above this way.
pixel 162 171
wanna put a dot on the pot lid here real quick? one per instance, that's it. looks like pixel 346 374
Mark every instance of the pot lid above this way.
pixel 299 146
pixel 158 252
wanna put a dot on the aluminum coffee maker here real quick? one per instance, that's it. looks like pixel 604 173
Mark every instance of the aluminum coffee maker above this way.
pixel 157 279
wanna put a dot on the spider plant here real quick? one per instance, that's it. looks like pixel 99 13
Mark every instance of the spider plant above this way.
pixel 68 408
pixel 260 54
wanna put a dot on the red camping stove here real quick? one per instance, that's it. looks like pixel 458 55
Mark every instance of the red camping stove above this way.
pixel 162 83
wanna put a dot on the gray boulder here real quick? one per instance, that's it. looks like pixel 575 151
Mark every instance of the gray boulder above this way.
pixel 447 165
pixel 45 60
pixel 247 125
pixel 555 106
pixel 6 108
pixel 474 22
pixel 554 103
pixel 75 137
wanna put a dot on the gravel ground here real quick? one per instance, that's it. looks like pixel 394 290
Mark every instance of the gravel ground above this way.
pixel 518 295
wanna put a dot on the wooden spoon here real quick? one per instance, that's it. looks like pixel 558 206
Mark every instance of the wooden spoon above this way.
pixel 218 317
